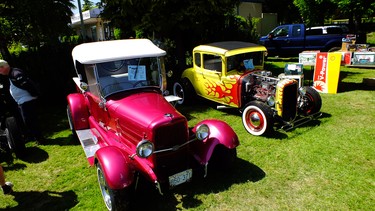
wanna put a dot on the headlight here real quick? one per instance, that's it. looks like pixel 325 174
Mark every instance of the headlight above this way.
pixel 203 131
pixel 271 101
pixel 302 91
pixel 145 148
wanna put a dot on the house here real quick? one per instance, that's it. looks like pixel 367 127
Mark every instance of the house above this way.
pixel 253 9
pixel 95 29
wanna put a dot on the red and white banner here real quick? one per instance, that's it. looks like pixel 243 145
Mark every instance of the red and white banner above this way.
pixel 327 70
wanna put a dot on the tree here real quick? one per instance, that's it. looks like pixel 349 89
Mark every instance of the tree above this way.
pixel 354 10
pixel 87 5
pixel 6 32
pixel 314 12
pixel 286 11
pixel 33 22
pixel 185 22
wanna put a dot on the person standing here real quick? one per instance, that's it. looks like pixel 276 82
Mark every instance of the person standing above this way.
pixel 25 92
pixel 6 186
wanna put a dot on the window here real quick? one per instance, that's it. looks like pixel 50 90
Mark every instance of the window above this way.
pixel 197 57
pixel 296 31
pixel 212 62
pixel 238 61
pixel 334 30
pixel 316 31
pixel 281 31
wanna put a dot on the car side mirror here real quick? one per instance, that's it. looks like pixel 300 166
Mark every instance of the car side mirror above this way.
pixel 271 36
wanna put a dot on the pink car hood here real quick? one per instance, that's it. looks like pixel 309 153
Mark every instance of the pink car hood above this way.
pixel 142 110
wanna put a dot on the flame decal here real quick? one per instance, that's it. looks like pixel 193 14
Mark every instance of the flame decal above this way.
pixel 224 92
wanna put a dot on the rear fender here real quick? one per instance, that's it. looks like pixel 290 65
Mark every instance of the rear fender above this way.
pixel 115 167
pixel 189 74
pixel 79 111
pixel 220 134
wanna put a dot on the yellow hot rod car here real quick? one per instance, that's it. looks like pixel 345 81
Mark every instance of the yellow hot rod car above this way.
pixel 232 74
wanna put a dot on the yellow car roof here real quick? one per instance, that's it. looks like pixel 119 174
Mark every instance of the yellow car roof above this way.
pixel 229 48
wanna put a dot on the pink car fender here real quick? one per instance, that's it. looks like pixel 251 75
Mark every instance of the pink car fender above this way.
pixel 220 134
pixel 115 167
pixel 79 111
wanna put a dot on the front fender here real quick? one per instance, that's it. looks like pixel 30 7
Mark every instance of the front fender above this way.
pixel 220 133
pixel 79 111
pixel 116 167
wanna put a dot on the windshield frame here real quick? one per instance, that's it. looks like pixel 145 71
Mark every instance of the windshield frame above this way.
pixel 129 75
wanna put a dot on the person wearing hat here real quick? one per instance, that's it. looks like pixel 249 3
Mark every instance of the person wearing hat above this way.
pixel 25 92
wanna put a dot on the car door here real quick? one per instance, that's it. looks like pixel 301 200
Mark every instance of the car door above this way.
pixel 210 75
pixel 278 40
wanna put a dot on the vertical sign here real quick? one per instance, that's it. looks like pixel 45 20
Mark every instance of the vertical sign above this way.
pixel 334 64
pixel 320 73
pixel 327 71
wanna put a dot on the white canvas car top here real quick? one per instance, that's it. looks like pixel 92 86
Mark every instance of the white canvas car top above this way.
pixel 107 51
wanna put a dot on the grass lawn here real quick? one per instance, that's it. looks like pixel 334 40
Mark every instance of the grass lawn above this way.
pixel 328 164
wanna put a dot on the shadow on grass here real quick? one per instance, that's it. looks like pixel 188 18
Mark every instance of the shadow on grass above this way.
pixel 46 200
pixel 217 181
pixel 33 155
pixel 347 87
pixel 62 141
pixel 14 167
pixel 282 134
pixel 351 86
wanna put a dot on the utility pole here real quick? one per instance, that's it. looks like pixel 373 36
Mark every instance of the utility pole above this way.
pixel 83 31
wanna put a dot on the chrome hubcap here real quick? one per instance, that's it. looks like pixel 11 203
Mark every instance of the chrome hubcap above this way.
pixel 255 119
pixel 104 190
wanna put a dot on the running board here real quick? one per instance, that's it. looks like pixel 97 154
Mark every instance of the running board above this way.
pixel 89 143
pixel 220 107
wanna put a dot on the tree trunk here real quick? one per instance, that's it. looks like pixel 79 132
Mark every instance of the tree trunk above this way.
pixel 4 51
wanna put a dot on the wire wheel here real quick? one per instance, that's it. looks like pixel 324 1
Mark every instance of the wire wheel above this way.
pixel 114 200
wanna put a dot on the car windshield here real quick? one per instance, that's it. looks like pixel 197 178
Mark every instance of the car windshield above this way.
pixel 248 61
pixel 129 74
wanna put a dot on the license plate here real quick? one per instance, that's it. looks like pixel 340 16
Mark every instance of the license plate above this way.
pixel 180 178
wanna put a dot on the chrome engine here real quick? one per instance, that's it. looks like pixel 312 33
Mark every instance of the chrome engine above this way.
pixel 262 85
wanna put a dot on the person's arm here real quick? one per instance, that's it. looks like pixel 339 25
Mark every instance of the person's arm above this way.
pixel 22 81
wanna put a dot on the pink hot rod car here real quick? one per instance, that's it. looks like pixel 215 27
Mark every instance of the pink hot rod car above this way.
pixel 128 127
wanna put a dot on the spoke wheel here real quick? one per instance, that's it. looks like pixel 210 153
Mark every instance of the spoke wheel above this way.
pixel 184 90
pixel 14 136
pixel 178 91
pixel 114 200
pixel 70 120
